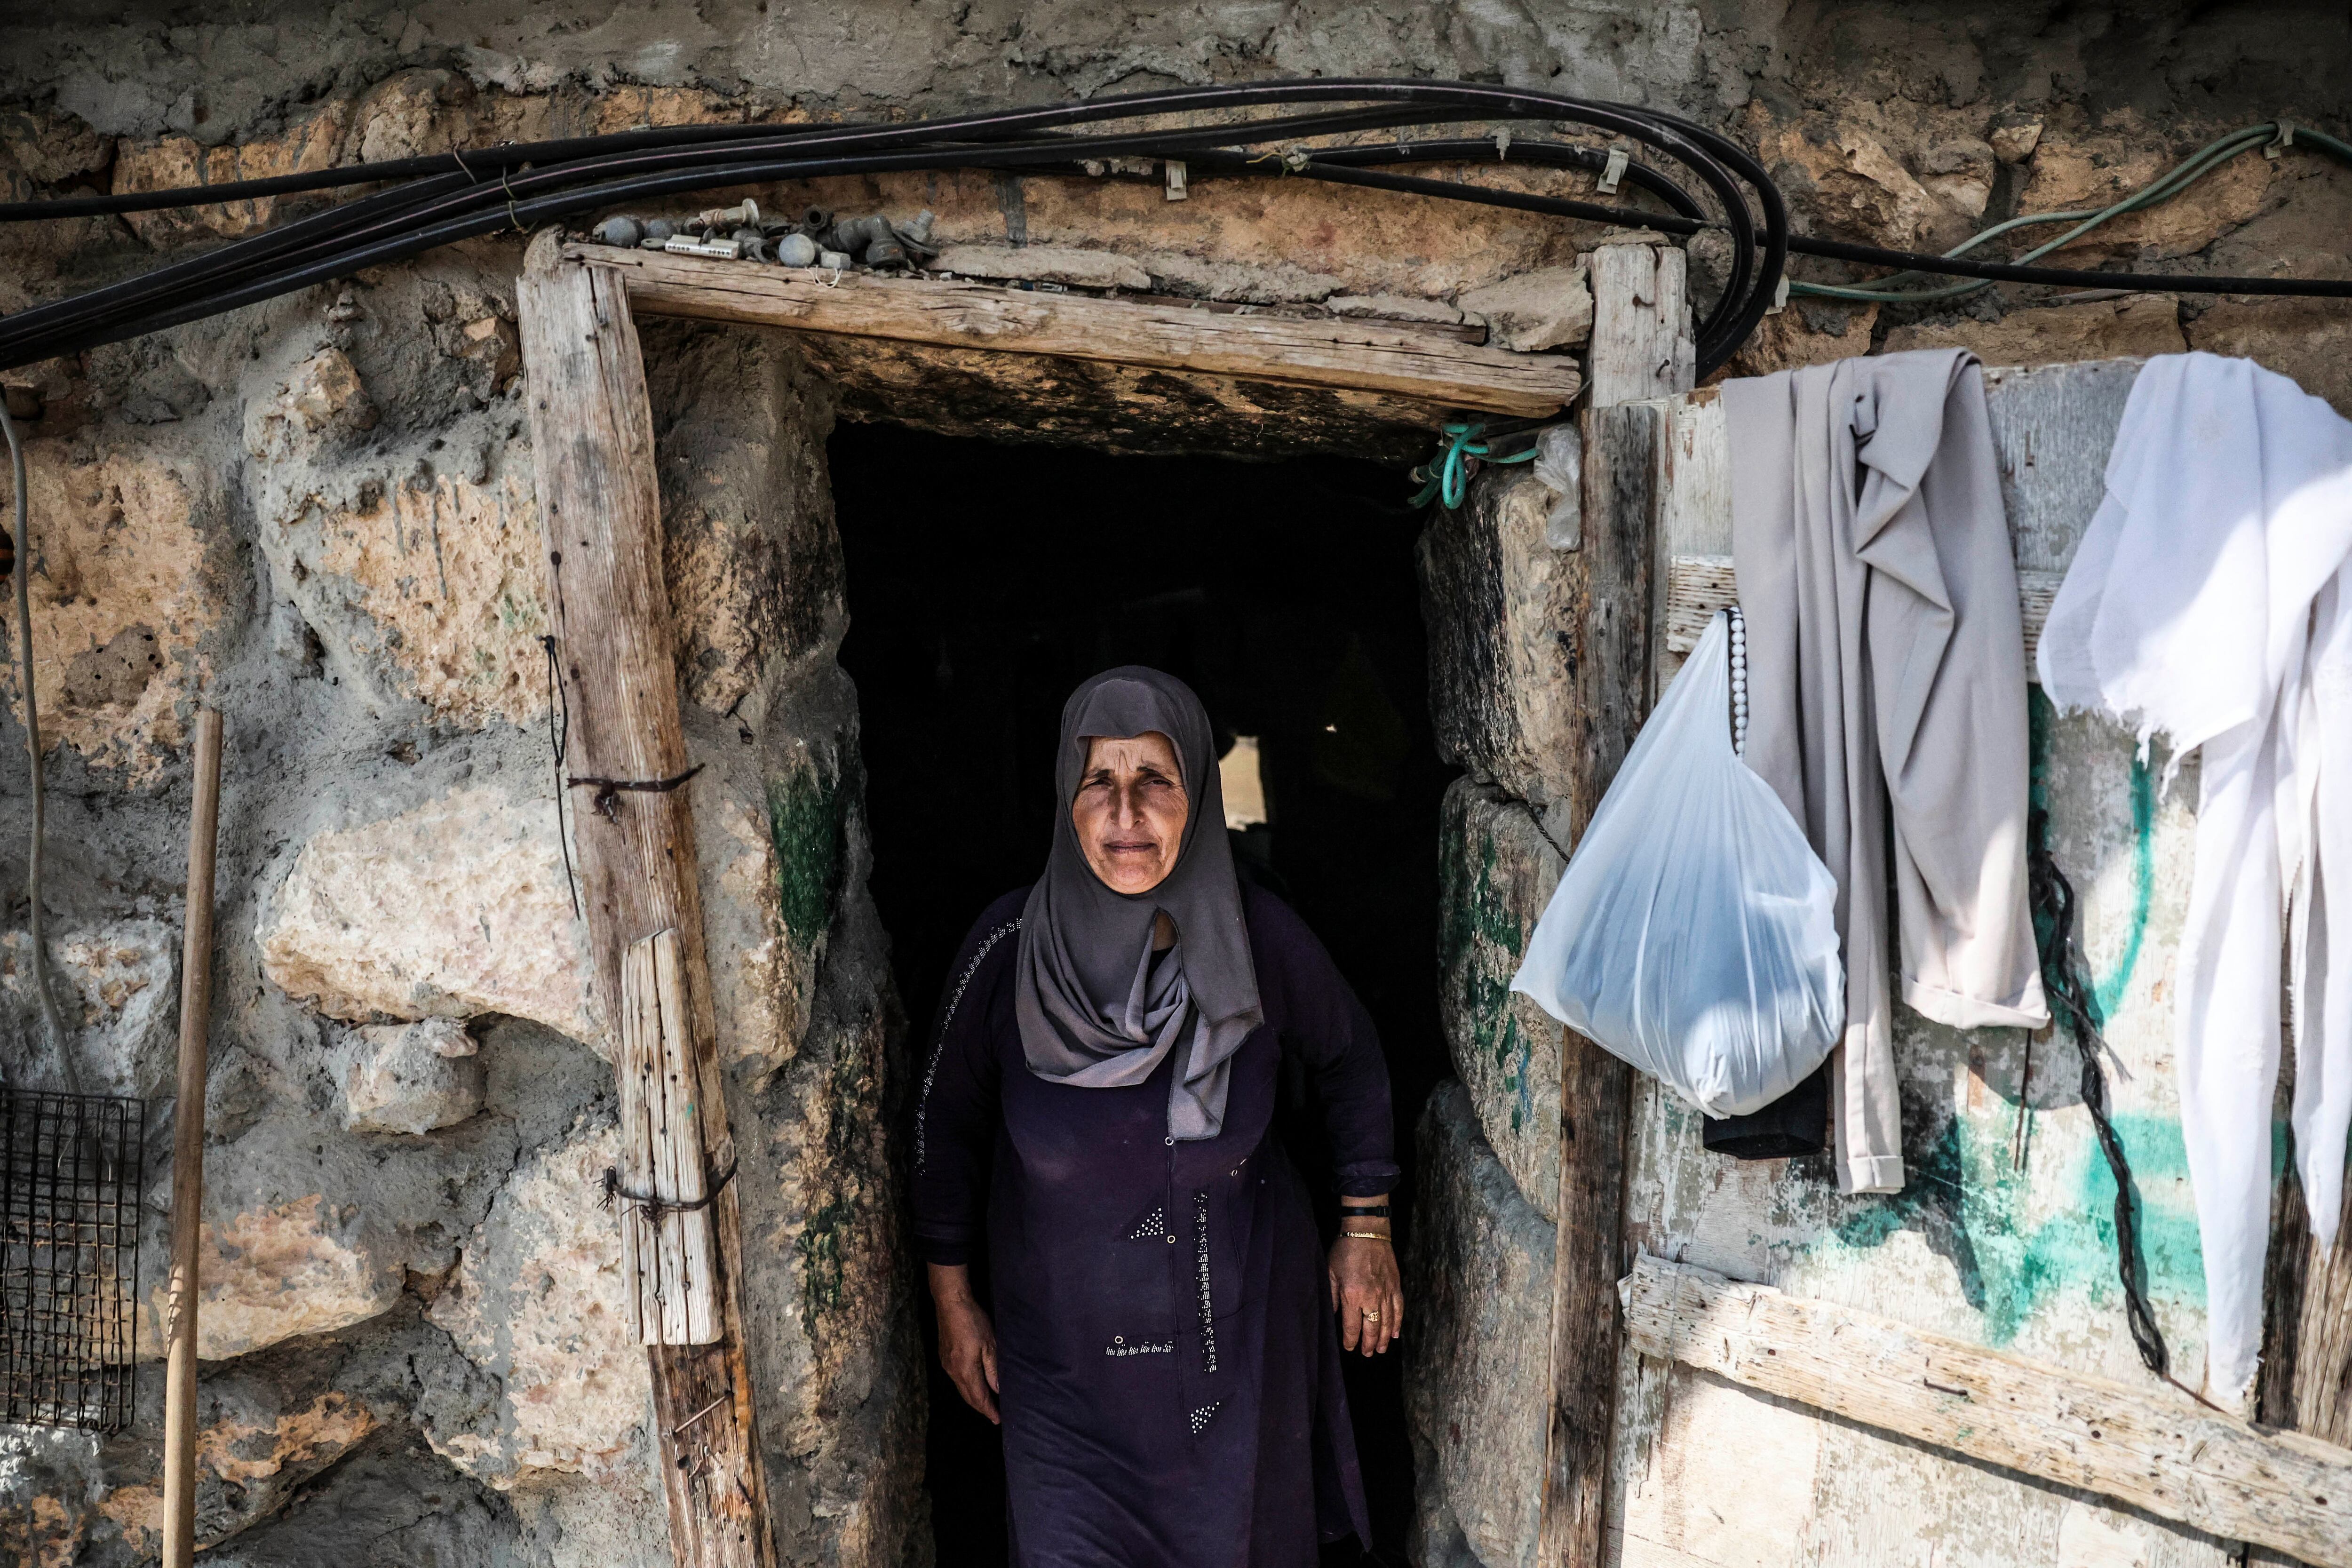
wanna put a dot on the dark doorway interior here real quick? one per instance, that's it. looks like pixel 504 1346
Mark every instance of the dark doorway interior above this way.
pixel 985 581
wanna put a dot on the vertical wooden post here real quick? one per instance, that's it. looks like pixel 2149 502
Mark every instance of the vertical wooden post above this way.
pixel 667 1254
pixel 1641 349
pixel 600 514
pixel 2323 1365
pixel 188 1154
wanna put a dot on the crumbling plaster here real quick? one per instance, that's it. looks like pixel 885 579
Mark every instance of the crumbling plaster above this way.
pixel 318 514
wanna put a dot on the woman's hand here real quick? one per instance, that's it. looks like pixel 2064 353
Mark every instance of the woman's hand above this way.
pixel 967 1338
pixel 1365 1288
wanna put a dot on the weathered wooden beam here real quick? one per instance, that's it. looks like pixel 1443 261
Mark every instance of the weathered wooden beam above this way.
pixel 1641 345
pixel 1640 350
pixel 1609 629
pixel 600 513
pixel 2323 1356
pixel 2150 1447
pixel 1145 409
pixel 1339 352
pixel 665 1253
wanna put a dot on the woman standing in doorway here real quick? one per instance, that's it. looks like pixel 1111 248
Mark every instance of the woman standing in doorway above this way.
pixel 1096 1110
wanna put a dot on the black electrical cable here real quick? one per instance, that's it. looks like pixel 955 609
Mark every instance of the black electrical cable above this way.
pixel 456 203
pixel 2074 277
pixel 1321 161
pixel 2067 984
pixel 452 196
pixel 390 213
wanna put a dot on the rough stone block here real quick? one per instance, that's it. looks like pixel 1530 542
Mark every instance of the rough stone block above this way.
pixel 1046 264
pixel 1810 331
pixel 2310 339
pixel 118 986
pixel 1478 1361
pixel 254 1449
pixel 309 141
pixel 1397 307
pixel 538 1302
pixel 274 1270
pixel 409 1078
pixel 123 595
pixel 1495 598
pixel 2090 170
pixel 419 570
pixel 1496 871
pixel 455 908
pixel 1550 308
pixel 747 537
pixel 1845 171
pixel 2106 329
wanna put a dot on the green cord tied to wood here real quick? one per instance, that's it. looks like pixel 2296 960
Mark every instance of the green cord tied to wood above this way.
pixel 1447 477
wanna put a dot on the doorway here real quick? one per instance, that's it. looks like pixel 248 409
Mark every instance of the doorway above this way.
pixel 984 582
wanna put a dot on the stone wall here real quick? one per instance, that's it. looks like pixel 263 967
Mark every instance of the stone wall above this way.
pixel 413 1321
pixel 317 514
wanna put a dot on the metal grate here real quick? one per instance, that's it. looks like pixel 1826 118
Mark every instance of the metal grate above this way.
pixel 69 1257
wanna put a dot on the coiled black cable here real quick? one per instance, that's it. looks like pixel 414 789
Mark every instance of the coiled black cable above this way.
pixel 432 201
pixel 461 195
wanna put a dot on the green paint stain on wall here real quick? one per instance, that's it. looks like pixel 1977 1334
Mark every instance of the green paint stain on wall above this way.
pixel 1479 939
pixel 807 816
pixel 2109 992
pixel 1972 1206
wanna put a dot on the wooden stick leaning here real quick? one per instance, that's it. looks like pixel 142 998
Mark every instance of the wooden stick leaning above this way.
pixel 188 1154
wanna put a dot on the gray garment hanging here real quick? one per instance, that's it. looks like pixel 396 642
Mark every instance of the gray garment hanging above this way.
pixel 1886 698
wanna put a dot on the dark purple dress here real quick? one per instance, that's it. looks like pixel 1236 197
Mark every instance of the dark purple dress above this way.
pixel 1168 1364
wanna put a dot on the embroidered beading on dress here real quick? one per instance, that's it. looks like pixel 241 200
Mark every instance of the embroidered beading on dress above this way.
pixel 1119 1346
pixel 1208 1303
pixel 931 1070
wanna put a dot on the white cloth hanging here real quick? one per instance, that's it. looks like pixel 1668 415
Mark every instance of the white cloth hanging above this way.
pixel 2205 603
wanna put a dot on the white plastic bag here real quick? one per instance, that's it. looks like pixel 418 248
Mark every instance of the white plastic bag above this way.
pixel 1560 468
pixel 1693 932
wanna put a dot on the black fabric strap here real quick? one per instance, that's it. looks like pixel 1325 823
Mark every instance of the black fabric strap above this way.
pixel 1364 1211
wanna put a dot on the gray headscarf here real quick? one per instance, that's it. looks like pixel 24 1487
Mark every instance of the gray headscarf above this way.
pixel 1093 1010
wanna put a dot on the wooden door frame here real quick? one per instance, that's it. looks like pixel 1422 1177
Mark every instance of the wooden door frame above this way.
pixel 593 454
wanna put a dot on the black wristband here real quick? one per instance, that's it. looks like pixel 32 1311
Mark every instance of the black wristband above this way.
pixel 1364 1211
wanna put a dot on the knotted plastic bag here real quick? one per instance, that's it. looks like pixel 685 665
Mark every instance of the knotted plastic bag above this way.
pixel 1693 932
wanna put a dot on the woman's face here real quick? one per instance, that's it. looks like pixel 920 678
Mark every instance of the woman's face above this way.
pixel 1131 810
